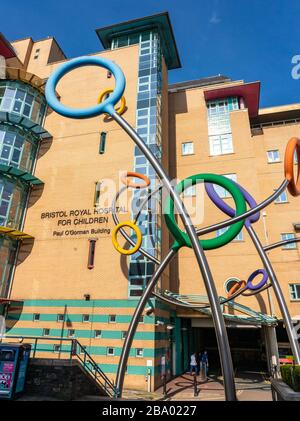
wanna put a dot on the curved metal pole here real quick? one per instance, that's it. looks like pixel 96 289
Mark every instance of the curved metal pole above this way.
pixel 278 293
pixel 135 320
pixel 217 316
pixel 262 205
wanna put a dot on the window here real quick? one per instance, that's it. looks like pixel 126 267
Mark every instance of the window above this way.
pixel 46 332
pixel 85 318
pixel 190 191
pixel 97 193
pixel 71 333
pixel 36 54
pixel 294 291
pixel 112 318
pixel 36 317
pixel 139 352
pixel 288 236
pixel 110 351
pixel 60 318
pixel 98 334
pixel 56 348
pixel 229 283
pixel 22 99
pixel 273 156
pixel 221 231
pixel 91 256
pixel 123 335
pixel 282 198
pixel 102 143
pixel 187 148
pixel 221 144
pixel 220 190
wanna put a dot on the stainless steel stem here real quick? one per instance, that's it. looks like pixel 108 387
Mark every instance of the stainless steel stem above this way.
pixel 135 321
pixel 217 316
pixel 278 293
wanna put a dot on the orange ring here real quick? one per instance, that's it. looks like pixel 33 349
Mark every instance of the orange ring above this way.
pixel 128 183
pixel 292 146
pixel 235 288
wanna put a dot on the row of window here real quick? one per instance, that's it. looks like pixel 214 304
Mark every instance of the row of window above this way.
pixel 71 333
pixel 22 99
pixel 221 145
pixel 110 351
pixel 13 195
pixel 17 149
pixel 86 318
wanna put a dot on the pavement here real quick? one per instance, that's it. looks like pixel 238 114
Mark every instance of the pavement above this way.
pixel 250 386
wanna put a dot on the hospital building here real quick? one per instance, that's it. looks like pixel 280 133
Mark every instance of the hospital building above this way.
pixel 60 276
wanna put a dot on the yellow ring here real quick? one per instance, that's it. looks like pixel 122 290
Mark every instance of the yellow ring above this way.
pixel 138 237
pixel 120 110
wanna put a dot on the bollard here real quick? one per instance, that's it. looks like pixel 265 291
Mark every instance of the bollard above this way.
pixel 195 384
pixel 164 379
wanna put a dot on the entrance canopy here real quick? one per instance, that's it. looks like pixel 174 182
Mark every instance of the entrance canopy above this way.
pixel 199 303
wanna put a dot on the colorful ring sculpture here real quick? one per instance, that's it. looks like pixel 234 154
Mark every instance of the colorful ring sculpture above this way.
pixel 127 182
pixel 106 106
pixel 292 147
pixel 223 206
pixel 237 287
pixel 120 110
pixel 138 237
pixel 253 275
pixel 181 238
pixel 188 238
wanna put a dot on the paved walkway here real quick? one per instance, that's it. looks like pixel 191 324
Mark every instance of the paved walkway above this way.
pixel 251 386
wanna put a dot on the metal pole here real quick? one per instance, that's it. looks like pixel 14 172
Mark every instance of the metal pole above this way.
pixel 135 321
pixel 217 316
pixel 278 293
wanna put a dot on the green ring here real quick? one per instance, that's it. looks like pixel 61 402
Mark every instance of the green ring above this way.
pixel 181 237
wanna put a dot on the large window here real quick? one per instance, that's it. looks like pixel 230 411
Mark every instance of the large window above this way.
pixel 13 195
pixel 295 291
pixel 17 148
pixel 22 99
pixel 219 128
pixel 8 249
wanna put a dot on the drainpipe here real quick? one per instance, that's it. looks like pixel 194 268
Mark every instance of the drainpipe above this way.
pixel 271 303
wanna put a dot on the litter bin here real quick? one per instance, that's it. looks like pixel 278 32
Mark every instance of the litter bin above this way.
pixel 14 359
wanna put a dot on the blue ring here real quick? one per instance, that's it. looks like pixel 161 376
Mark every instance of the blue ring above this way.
pixel 106 106
pixel 252 287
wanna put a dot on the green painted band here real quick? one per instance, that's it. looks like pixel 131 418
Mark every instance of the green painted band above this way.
pixel 181 237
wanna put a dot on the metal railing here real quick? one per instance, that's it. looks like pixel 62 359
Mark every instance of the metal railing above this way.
pixel 75 350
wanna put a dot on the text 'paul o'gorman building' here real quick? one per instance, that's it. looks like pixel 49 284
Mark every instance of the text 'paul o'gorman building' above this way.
pixel 60 275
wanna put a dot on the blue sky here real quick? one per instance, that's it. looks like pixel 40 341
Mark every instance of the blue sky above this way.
pixel 250 40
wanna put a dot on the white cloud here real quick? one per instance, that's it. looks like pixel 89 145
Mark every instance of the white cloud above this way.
pixel 215 19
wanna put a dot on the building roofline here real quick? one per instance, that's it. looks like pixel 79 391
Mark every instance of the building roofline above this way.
pixel 107 32
pixel 6 48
